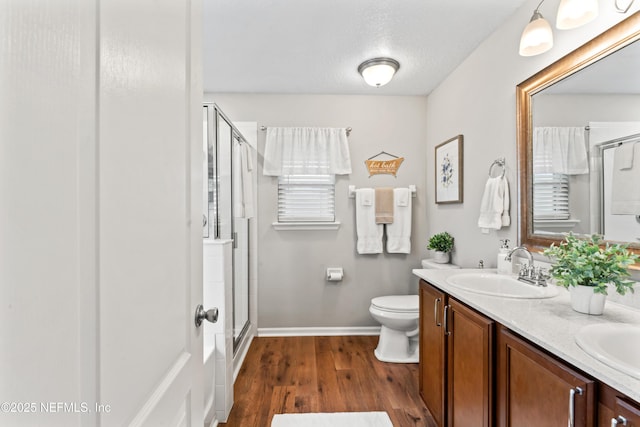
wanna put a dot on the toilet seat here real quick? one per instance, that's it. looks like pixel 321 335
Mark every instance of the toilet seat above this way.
pixel 397 303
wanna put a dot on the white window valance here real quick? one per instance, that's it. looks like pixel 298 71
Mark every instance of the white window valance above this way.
pixel 306 151
pixel 563 148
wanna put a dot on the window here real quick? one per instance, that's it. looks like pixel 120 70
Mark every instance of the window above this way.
pixel 558 152
pixel 550 192
pixel 306 160
pixel 306 198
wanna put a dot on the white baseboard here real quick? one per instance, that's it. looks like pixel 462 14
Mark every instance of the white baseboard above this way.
pixel 318 331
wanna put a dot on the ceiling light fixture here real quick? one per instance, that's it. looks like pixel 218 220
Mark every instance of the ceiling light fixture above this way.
pixel 378 71
pixel 537 36
pixel 575 13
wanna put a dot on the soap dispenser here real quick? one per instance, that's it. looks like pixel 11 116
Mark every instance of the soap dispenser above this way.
pixel 504 266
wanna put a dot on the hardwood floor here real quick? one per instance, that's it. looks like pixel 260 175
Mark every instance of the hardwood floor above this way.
pixel 324 374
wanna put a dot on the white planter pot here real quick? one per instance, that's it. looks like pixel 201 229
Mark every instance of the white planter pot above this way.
pixel 441 257
pixel 584 300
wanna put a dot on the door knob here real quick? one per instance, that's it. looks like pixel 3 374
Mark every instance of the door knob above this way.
pixel 209 315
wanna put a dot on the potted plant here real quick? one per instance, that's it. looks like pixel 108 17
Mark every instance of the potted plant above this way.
pixel 442 245
pixel 587 269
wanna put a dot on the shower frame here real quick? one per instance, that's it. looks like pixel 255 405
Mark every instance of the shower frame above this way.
pixel 220 220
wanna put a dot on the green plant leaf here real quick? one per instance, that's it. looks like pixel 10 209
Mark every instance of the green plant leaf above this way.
pixel 585 262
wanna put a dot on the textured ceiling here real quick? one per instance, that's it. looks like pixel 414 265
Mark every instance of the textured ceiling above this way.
pixel 315 46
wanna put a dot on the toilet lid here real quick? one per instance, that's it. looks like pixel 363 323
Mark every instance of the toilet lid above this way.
pixel 399 303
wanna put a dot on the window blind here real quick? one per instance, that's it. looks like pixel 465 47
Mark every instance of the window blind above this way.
pixel 550 189
pixel 306 198
pixel 550 196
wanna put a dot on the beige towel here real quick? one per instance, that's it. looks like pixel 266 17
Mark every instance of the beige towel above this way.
pixel 384 205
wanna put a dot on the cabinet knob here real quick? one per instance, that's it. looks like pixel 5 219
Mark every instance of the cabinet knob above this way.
pixel 620 421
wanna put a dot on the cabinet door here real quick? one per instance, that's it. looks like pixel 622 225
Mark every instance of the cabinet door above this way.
pixel 626 414
pixel 432 350
pixel 470 367
pixel 535 389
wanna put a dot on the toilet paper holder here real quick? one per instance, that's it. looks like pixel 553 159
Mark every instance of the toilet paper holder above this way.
pixel 335 274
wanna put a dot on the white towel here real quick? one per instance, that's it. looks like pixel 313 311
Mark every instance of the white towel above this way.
pixel 494 207
pixel 243 182
pixel 625 191
pixel 402 198
pixel 399 233
pixel 366 197
pixel 624 155
pixel 369 233
pixel 563 149
pixel 506 202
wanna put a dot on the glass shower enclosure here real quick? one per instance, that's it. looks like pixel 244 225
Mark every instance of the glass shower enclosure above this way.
pixel 220 142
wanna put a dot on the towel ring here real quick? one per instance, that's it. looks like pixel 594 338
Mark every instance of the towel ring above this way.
pixel 500 163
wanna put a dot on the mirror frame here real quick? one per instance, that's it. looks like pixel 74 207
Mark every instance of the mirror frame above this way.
pixel 613 39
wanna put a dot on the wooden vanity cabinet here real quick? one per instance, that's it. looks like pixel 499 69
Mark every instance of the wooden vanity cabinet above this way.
pixel 469 367
pixel 431 380
pixel 535 389
pixel 456 360
pixel 612 405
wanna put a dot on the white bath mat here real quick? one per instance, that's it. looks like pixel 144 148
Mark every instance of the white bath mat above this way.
pixel 336 419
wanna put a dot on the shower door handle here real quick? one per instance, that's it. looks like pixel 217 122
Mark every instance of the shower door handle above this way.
pixel 208 315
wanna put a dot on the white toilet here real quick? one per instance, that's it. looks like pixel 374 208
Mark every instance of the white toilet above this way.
pixel 399 317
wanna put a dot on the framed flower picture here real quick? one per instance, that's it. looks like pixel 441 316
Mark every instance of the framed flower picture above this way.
pixel 449 171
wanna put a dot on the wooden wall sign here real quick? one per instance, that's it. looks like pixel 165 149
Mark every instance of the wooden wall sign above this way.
pixel 387 166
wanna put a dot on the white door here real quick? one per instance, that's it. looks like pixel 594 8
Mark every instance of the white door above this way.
pixel 100 213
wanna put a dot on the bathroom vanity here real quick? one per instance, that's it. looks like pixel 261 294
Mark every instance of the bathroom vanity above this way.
pixel 488 360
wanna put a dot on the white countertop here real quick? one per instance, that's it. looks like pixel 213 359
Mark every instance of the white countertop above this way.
pixel 550 323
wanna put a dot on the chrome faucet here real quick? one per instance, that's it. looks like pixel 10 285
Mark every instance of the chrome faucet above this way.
pixel 520 248
pixel 528 273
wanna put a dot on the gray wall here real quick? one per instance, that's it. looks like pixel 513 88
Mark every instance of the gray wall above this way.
pixel 292 290
pixel 478 101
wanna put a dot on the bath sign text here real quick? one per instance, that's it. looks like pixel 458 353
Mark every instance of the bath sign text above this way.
pixel 377 167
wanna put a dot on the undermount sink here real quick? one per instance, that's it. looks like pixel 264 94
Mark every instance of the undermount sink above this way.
pixel 615 344
pixel 500 285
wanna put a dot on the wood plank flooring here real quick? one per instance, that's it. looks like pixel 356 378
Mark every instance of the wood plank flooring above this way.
pixel 324 374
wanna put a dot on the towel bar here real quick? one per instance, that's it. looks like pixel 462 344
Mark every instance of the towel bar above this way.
pixel 352 191
pixel 500 162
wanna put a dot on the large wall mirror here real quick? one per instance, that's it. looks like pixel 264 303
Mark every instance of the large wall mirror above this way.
pixel 578 125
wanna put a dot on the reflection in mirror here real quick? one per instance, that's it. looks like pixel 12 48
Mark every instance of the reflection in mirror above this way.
pixel 579 142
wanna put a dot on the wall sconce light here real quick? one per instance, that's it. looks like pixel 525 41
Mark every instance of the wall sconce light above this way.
pixel 378 71
pixel 575 13
pixel 537 36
